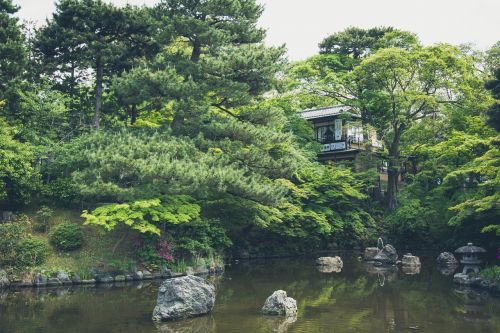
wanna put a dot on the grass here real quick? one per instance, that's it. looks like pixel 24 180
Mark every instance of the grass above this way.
pixel 96 251
pixel 491 273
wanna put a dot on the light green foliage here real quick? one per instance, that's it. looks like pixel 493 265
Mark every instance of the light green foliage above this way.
pixel 18 177
pixel 144 216
pixel 67 236
pixel 327 202
pixel 481 198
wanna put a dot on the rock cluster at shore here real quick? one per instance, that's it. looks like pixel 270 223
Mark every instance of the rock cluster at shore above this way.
pixel 62 277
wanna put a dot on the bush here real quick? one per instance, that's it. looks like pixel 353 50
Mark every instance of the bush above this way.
pixel 42 219
pixel 32 252
pixel 11 234
pixel 67 236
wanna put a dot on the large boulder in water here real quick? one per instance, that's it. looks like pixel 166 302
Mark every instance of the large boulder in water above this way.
pixel 446 259
pixel 388 255
pixel 278 304
pixel 329 264
pixel 184 297
pixel 370 253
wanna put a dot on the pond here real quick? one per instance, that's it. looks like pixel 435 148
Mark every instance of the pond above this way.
pixel 359 299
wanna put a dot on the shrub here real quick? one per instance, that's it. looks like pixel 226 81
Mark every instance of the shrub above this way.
pixel 67 236
pixel 32 252
pixel 11 234
pixel 42 219
pixel 491 273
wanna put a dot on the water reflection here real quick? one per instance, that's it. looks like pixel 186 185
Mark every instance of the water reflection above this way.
pixel 472 308
pixel 411 270
pixel 276 324
pixel 329 269
pixel 205 324
pixel 361 298
pixel 447 270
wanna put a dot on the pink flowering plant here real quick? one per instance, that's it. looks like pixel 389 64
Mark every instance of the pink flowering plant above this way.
pixel 165 250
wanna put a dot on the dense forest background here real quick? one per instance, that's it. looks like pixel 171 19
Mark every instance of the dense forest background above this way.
pixel 175 132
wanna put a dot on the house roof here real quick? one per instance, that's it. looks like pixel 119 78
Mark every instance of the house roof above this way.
pixel 327 112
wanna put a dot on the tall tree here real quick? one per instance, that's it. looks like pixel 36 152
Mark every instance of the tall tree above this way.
pixel 399 88
pixel 93 38
pixel 13 56
pixel 493 112
pixel 217 54
pixel 359 43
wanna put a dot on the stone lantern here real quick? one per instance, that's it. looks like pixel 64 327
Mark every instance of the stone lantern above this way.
pixel 469 257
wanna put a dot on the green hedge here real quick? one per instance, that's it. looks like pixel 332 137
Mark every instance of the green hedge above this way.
pixel 67 236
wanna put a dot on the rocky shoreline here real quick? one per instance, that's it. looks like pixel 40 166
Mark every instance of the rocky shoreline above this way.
pixel 63 278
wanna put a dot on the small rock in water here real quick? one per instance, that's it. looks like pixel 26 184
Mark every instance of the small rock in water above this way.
pixel 329 264
pixel 466 280
pixel 278 304
pixel 184 297
pixel 410 260
pixel 39 280
pixel 370 253
pixel 447 259
pixel 63 276
pixel 388 255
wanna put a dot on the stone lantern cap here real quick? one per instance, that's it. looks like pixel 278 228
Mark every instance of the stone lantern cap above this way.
pixel 470 249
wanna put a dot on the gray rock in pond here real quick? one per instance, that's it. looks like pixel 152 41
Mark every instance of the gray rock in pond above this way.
pixel 104 278
pixel 167 273
pixel 138 275
pixel 63 277
pixel 39 280
pixel 370 253
pixel 4 281
pixel 410 260
pixel 76 279
pixel 120 278
pixel 278 304
pixel 189 270
pixel 329 264
pixel 466 280
pixel 447 259
pixel 184 297
pixel 387 255
pixel 201 269
pixel 147 275
pixel 129 277
pixel 52 282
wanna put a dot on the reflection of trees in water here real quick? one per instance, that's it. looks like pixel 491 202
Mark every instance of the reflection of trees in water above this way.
pixel 350 301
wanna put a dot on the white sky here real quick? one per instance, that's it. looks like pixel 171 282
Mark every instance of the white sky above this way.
pixel 302 24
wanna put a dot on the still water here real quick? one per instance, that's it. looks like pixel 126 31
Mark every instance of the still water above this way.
pixel 360 299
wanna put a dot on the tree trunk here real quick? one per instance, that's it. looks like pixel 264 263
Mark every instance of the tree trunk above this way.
pixel 98 93
pixel 133 114
pixel 393 172
pixel 195 54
